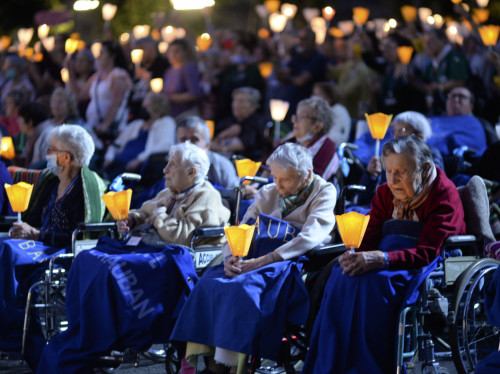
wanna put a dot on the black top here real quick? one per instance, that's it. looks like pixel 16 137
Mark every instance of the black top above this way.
pixel 57 220
pixel 252 134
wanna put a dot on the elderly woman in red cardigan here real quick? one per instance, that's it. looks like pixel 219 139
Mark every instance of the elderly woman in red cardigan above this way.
pixel 410 217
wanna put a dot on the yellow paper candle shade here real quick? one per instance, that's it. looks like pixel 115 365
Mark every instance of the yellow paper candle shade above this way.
pixel 156 85
pixel 118 203
pixel 239 239
pixel 409 13
pixel 263 33
pixel 211 127
pixel 19 195
pixel 272 5
pixel 203 42
pixel 404 54
pixel 496 80
pixel 247 167
pixel 265 69
pixel 352 227
pixel 7 148
pixel 360 15
pixel 489 34
pixel 480 15
pixel 378 124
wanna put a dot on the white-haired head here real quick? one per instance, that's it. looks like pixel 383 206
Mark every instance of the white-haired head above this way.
pixel 292 156
pixel 420 124
pixel 75 140
pixel 192 156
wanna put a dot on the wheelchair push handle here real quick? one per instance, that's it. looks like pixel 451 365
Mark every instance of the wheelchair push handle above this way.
pixel 345 191
pixel 260 180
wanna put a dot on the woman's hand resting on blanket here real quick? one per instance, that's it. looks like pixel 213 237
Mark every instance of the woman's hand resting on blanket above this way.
pixel 361 262
pixel 21 230
pixel 234 266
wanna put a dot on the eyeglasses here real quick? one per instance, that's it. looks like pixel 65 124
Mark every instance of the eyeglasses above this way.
pixel 403 131
pixel 460 97
pixel 51 150
pixel 296 117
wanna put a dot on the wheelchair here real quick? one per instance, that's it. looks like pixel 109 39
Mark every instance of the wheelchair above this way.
pixel 49 303
pixel 448 320
pixel 45 300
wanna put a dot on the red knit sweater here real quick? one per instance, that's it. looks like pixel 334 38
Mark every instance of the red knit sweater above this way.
pixel 441 214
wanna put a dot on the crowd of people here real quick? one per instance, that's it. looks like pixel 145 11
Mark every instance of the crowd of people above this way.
pixel 105 120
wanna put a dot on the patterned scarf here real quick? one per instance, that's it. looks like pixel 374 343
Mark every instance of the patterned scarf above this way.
pixel 289 204
pixel 406 209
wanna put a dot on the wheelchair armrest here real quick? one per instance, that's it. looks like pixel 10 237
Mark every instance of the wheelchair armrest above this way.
pixel 327 250
pixel 255 180
pixel 209 231
pixel 96 227
pixel 6 222
pixel 131 177
pixel 321 256
pixel 455 240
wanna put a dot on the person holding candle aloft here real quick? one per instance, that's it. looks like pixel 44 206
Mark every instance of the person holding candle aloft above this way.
pixel 410 217
pixel 298 213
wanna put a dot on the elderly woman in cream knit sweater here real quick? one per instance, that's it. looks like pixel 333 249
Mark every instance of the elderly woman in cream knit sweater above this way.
pixel 188 202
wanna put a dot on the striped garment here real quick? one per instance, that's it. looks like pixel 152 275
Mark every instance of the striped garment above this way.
pixel 325 157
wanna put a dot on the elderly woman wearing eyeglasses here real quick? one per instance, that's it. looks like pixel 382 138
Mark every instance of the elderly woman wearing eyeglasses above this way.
pixel 67 192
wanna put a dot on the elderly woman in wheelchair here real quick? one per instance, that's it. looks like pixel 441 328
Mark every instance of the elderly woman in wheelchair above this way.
pixel 63 197
pixel 242 305
pixel 138 285
pixel 410 217
pixel 66 193
pixel 188 202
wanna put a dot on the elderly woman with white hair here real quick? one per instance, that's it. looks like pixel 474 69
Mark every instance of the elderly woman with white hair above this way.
pixel 67 192
pixel 404 124
pixel 311 124
pixel 188 202
pixel 242 305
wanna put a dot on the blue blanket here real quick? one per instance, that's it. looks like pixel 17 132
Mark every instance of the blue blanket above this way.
pixel 449 133
pixel 355 328
pixel 248 313
pixel 116 299
pixel 22 264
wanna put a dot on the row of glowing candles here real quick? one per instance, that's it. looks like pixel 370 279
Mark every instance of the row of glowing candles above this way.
pixel 351 225
pixel 277 22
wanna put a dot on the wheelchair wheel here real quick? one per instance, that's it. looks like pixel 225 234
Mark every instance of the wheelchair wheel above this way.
pixel 172 359
pixel 472 338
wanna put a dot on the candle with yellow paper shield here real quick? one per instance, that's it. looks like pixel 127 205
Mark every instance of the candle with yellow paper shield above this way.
pixel 19 196
pixel 247 168
pixel 352 227
pixel 239 239
pixel 378 124
pixel 118 203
